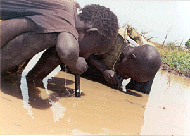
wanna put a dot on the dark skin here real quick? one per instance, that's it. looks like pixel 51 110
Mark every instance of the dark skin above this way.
pixel 127 58
pixel 133 64
pixel 15 40
pixel 12 28
pixel 92 38
pixel 140 63
pixel 89 40
pixel 43 67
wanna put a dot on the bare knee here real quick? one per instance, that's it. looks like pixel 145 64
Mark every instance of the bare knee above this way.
pixel 14 27
pixel 67 48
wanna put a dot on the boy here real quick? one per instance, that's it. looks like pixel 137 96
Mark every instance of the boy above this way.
pixel 138 63
pixel 32 26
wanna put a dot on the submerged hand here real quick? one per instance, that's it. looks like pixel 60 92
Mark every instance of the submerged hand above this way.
pixel 111 77
pixel 80 67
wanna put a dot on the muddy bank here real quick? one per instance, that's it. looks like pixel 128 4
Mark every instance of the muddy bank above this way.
pixel 167 67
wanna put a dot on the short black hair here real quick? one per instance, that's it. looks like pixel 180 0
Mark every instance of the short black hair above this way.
pixel 102 18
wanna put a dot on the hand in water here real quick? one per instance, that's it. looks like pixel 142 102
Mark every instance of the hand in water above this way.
pixel 111 77
pixel 80 67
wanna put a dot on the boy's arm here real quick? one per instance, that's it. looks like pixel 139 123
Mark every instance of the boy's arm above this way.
pixel 68 50
pixel 109 75
pixel 97 64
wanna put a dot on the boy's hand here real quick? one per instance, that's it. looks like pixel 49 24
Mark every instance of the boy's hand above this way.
pixel 80 67
pixel 111 77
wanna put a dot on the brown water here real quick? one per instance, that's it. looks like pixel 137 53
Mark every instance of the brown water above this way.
pixel 168 107
pixel 100 110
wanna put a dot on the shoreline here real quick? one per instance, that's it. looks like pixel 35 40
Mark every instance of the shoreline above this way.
pixel 168 54
pixel 166 67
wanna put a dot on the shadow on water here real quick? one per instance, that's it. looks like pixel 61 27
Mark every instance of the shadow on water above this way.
pixel 10 87
pixel 56 85
pixel 133 93
pixel 59 81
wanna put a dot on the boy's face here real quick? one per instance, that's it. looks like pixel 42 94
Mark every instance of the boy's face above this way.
pixel 91 43
pixel 90 40
pixel 127 66
pixel 123 68
pixel 132 65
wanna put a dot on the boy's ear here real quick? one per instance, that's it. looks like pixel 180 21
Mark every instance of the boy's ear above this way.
pixel 92 31
pixel 132 56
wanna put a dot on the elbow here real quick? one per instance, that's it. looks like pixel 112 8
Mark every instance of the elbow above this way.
pixel 67 55
pixel 67 48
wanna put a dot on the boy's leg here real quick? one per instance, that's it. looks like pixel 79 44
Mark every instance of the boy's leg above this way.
pixel 46 64
pixel 14 27
pixel 24 47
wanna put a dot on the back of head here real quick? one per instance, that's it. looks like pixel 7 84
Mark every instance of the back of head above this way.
pixel 102 18
pixel 146 63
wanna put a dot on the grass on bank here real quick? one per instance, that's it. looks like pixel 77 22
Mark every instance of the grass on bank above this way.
pixel 175 59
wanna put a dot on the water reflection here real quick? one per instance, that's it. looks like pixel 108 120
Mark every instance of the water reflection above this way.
pixel 24 91
pixel 57 109
pixel 168 108
pixel 24 86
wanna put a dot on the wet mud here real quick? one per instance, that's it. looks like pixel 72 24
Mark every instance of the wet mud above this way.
pixel 100 109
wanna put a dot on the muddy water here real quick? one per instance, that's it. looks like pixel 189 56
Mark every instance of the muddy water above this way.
pixel 100 110
pixel 168 107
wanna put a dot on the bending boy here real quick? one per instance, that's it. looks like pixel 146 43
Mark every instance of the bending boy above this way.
pixel 139 63
pixel 29 27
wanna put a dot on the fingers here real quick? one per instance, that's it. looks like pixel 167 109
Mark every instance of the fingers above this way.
pixel 111 77
pixel 80 67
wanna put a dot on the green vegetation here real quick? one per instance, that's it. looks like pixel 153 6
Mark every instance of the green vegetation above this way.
pixel 175 59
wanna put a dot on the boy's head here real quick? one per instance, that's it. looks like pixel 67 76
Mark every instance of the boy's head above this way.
pixel 103 32
pixel 139 63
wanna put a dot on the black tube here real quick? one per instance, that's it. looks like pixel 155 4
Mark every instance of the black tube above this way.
pixel 77 85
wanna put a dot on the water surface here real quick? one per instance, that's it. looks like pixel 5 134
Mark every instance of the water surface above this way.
pixel 100 110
